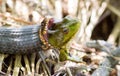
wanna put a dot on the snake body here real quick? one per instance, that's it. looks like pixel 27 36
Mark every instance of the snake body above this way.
pixel 20 40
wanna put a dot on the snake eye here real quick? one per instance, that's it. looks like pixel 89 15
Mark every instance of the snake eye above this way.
pixel 66 30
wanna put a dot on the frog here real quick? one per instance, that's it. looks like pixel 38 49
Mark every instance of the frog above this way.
pixel 61 33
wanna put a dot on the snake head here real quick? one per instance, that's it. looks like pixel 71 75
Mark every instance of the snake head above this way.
pixel 61 32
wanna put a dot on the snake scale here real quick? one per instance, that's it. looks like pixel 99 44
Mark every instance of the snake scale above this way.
pixel 19 40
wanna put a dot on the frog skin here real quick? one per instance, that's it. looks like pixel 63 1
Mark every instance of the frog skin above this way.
pixel 62 33
pixel 33 38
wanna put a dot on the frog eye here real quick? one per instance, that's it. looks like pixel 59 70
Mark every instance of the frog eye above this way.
pixel 66 30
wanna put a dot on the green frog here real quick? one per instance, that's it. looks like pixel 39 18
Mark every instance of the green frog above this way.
pixel 61 33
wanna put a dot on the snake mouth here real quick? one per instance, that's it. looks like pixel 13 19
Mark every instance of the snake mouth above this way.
pixel 46 25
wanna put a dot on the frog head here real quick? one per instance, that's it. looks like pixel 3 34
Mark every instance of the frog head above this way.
pixel 61 32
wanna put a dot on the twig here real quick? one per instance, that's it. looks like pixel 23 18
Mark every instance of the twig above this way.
pixel 44 63
pixel 10 67
pixel 23 70
pixel 2 56
pixel 33 62
pixel 78 7
pixel 38 65
pixel 17 65
pixel 50 61
pixel 72 7
pixel 106 47
pixel 119 40
pixel 113 9
pixel 69 72
pixel 58 9
pixel 44 70
pixel 3 6
pixel 16 19
pixel 105 67
pixel 52 3
pixel 3 74
pixel 95 15
pixel 101 45
pixel 115 33
pixel 12 24
pixel 27 65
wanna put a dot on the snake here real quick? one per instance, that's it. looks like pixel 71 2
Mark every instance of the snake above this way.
pixel 20 40
pixel 33 38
